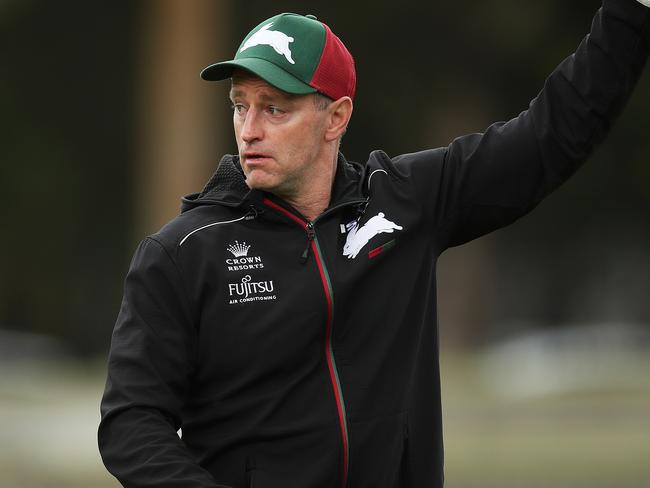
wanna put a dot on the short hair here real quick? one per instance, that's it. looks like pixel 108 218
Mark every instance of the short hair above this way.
pixel 321 102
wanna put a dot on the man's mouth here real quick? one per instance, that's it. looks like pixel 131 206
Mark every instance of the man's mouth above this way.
pixel 255 157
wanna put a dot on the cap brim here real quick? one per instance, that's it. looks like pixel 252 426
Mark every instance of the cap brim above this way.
pixel 266 70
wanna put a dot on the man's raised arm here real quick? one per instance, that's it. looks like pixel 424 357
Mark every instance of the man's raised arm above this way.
pixel 486 181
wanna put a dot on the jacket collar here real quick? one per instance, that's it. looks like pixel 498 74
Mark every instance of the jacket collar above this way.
pixel 227 186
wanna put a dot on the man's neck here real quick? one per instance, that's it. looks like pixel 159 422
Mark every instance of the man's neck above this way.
pixel 312 205
pixel 313 199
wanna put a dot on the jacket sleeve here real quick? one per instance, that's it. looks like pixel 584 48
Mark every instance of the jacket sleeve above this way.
pixel 149 370
pixel 482 182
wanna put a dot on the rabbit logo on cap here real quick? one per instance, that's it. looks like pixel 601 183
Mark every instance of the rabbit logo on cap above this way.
pixel 276 39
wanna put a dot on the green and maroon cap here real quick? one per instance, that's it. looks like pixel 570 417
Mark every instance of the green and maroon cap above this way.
pixel 294 53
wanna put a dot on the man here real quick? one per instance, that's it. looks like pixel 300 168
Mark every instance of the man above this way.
pixel 286 320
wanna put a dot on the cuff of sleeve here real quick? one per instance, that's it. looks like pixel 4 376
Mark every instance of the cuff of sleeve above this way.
pixel 644 2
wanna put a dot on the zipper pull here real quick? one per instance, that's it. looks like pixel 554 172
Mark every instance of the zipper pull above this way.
pixel 310 237
pixel 252 213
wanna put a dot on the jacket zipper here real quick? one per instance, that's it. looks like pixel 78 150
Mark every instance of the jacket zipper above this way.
pixel 308 226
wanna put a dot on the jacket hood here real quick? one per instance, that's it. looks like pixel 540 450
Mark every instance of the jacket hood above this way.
pixel 228 187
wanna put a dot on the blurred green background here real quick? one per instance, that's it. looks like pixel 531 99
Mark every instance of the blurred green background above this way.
pixel 545 326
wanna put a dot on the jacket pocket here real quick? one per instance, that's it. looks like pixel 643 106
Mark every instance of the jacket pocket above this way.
pixel 378 451
pixel 311 460
pixel 262 478
pixel 403 476
pixel 250 476
pixel 250 473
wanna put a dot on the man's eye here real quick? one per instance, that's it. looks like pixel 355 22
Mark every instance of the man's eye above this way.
pixel 275 110
pixel 238 108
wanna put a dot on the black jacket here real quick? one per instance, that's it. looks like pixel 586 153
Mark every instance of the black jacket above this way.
pixel 305 354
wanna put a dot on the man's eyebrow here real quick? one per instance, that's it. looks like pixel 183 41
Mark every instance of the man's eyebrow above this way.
pixel 288 97
pixel 234 93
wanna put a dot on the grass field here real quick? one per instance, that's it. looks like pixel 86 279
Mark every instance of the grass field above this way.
pixel 596 436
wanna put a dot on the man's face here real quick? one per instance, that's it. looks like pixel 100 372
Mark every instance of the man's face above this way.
pixel 280 136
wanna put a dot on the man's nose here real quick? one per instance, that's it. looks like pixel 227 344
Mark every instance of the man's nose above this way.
pixel 252 128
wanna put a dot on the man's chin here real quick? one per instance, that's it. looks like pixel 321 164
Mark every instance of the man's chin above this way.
pixel 279 189
pixel 258 182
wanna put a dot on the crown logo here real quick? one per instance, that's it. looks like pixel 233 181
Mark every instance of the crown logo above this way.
pixel 239 249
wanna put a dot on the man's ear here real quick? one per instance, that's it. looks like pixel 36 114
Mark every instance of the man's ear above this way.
pixel 338 117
